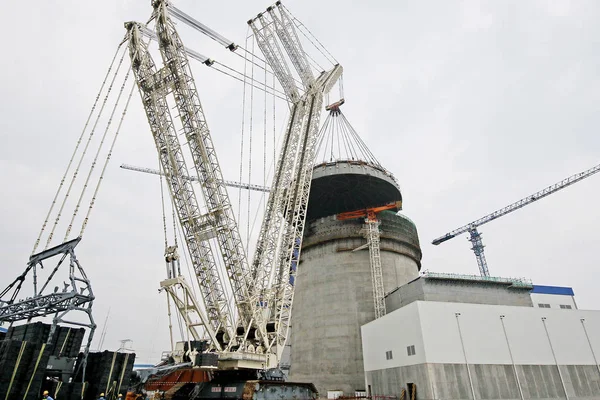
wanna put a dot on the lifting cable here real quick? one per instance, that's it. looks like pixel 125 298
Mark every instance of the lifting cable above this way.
pixel 250 146
pixel 98 150
pixel 265 137
pixel 276 92
pixel 243 126
pixel 37 242
pixel 300 25
pixel 217 37
pixel 162 201
pixel 84 152
pixel 174 223
pixel 362 146
pixel 216 65
pixel 274 131
pixel 107 160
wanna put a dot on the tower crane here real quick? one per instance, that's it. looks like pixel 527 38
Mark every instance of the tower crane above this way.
pixel 371 233
pixel 475 236
pixel 253 337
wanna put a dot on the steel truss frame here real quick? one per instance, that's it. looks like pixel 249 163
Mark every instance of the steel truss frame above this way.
pixel 77 294
pixel 372 234
pixel 154 86
pixel 280 239
pixel 264 293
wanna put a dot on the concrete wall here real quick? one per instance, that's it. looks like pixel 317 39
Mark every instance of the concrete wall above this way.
pixel 553 300
pixel 458 291
pixel 334 298
pixel 490 382
pixel 439 365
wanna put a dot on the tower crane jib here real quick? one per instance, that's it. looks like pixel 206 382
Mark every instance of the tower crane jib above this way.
pixel 475 236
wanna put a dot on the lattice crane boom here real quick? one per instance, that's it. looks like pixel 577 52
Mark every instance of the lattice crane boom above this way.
pixel 475 236
pixel 205 160
pixel 266 40
pixel 280 238
pixel 153 86
pixel 288 36
pixel 264 293
pixel 297 206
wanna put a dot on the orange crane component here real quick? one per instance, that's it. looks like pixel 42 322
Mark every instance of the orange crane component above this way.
pixel 371 232
pixel 369 213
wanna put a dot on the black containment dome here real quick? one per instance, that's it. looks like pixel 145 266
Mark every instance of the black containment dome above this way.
pixel 344 186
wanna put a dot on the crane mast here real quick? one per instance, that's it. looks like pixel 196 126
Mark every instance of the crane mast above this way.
pixel 475 236
pixel 264 293
pixel 154 85
pixel 280 239
pixel 205 160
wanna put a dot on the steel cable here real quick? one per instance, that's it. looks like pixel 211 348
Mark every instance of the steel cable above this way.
pixel 162 201
pixel 100 146
pixel 250 150
pixel 84 152
pixel 109 155
pixel 242 130
pixel 62 181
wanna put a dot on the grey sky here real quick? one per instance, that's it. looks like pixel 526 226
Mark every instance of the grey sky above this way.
pixel 472 105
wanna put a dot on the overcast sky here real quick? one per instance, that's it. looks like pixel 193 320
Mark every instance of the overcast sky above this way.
pixel 472 105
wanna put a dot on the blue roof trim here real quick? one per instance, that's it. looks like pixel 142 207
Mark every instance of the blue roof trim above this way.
pixel 566 291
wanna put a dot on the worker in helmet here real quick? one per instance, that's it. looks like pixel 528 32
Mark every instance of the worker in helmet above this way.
pixel 101 397
pixel 120 396
pixel 47 395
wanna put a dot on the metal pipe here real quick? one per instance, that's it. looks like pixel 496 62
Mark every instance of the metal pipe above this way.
pixel 590 343
pixel 512 360
pixel 562 382
pixel 35 293
pixel 462 343
pixel 170 322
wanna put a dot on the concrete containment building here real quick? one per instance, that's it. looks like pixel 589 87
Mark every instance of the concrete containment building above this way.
pixel 334 292
pixel 443 334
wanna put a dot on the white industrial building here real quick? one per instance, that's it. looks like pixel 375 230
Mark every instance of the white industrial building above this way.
pixel 443 334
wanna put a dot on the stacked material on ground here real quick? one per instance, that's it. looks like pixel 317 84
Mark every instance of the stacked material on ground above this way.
pixel 65 342
pixel 22 368
pixel 106 372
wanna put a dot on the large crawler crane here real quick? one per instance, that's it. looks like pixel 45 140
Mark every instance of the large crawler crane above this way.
pixel 253 337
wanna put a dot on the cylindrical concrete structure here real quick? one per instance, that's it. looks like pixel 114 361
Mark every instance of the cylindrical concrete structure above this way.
pixel 334 296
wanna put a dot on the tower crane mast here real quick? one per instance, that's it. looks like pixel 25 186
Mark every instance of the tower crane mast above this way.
pixel 371 233
pixel 475 236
